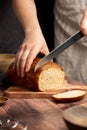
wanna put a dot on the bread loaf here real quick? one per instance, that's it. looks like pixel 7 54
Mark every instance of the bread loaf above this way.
pixel 49 77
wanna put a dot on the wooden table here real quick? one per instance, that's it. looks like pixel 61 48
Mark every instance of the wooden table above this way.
pixel 39 114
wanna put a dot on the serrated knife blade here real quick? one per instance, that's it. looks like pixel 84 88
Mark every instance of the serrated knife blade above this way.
pixel 60 48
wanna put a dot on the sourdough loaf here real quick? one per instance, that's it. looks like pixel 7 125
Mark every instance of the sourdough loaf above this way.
pixel 49 77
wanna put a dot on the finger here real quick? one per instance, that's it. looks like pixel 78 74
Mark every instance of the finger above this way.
pixel 33 53
pixel 30 59
pixel 17 60
pixel 45 50
pixel 23 60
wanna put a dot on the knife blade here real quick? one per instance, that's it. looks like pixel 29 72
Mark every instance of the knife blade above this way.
pixel 60 48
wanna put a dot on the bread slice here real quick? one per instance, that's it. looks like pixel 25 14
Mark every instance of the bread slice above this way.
pixel 49 77
pixel 71 95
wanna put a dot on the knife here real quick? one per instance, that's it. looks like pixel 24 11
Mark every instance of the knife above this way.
pixel 71 40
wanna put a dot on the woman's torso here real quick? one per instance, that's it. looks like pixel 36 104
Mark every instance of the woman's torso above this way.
pixel 68 14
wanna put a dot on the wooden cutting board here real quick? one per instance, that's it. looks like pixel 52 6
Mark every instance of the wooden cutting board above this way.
pixel 21 92
pixel 76 115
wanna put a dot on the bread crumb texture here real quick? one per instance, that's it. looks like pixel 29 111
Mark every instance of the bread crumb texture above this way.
pixel 51 79
pixel 70 94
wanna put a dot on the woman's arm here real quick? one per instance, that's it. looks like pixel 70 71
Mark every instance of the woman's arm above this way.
pixel 34 41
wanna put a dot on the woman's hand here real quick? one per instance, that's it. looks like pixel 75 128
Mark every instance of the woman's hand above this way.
pixel 34 43
pixel 83 24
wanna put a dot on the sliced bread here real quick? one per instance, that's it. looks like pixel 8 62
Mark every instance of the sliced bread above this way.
pixel 71 95
pixel 49 77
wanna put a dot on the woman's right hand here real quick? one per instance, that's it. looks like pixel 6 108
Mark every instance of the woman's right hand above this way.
pixel 83 24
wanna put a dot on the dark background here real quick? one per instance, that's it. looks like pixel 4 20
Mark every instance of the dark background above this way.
pixel 11 33
pixel 46 19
